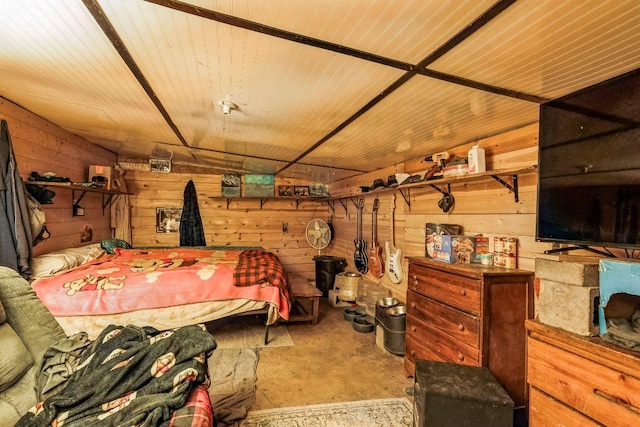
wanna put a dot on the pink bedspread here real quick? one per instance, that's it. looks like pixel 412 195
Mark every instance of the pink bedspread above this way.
pixel 134 279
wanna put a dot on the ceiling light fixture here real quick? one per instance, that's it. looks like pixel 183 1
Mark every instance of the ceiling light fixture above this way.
pixel 227 106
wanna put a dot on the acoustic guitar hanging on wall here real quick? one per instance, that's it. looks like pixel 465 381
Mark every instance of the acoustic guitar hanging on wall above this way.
pixel 394 255
pixel 376 266
pixel 360 253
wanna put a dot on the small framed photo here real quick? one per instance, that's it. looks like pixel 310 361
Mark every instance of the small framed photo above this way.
pixel 160 165
pixel 285 190
pixel 231 184
pixel 168 220
pixel 301 190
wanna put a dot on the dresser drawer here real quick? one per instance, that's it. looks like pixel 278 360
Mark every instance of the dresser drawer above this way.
pixel 438 342
pixel 545 411
pixel 415 349
pixel 460 325
pixel 458 291
pixel 608 396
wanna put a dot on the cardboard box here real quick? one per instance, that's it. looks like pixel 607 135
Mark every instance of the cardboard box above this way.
pixel 619 290
pixel 104 171
pixel 482 245
pixel 454 249
pixel 433 229
pixel 482 248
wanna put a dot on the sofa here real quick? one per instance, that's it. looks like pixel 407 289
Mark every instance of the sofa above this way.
pixel 27 330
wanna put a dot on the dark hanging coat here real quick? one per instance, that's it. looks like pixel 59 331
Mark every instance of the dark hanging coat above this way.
pixel 191 230
pixel 15 229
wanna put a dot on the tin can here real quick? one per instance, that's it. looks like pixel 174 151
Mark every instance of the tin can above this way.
pixel 486 259
pixel 498 251
pixel 511 252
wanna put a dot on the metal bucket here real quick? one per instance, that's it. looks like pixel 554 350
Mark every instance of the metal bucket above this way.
pixel 394 342
pixel 396 318
pixel 381 307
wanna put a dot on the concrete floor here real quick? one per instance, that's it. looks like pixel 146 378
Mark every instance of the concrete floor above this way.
pixel 330 362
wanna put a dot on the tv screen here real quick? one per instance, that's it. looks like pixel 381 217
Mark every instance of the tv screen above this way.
pixel 589 166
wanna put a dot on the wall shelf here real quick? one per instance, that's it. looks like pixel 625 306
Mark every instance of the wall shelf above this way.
pixel 438 184
pixel 106 194
pixel 264 200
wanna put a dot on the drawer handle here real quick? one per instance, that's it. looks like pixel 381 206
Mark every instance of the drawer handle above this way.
pixel 413 353
pixel 414 329
pixel 616 400
pixel 460 356
pixel 463 292
pixel 415 281
pixel 414 305
pixel 461 327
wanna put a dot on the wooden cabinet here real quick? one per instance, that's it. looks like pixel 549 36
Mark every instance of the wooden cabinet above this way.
pixel 580 381
pixel 470 314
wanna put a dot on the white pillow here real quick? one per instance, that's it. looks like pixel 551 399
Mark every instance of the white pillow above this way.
pixel 65 259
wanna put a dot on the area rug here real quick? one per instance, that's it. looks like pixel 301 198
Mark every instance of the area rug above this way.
pixel 365 413
pixel 243 333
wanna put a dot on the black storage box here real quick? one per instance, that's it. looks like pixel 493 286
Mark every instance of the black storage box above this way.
pixel 452 395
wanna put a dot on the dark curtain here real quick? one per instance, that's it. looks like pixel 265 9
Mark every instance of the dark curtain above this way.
pixel 15 229
pixel 191 230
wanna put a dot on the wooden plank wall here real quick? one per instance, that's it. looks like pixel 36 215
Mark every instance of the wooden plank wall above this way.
pixel 41 146
pixel 485 207
pixel 242 223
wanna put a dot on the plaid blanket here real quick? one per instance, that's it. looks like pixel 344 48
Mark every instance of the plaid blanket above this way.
pixel 264 268
pixel 130 376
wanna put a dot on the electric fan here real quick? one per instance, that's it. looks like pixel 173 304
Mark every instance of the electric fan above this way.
pixel 318 234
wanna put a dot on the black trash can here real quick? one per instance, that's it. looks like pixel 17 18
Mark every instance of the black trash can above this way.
pixel 327 267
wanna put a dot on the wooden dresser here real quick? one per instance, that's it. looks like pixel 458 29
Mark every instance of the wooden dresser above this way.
pixel 470 314
pixel 580 381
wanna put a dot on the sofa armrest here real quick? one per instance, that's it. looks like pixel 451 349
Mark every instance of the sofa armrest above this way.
pixel 27 315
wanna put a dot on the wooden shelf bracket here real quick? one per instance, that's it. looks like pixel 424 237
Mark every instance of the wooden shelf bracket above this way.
pixel 513 188
pixel 435 187
pixel 406 195
pixel 331 204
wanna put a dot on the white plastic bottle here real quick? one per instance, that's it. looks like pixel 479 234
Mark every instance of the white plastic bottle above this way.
pixel 475 158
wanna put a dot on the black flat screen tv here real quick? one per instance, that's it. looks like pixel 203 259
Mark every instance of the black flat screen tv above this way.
pixel 589 166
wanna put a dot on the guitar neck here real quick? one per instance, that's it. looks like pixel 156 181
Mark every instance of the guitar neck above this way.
pixel 374 228
pixel 360 207
pixel 393 233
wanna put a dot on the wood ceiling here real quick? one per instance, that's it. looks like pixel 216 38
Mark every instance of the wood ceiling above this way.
pixel 324 89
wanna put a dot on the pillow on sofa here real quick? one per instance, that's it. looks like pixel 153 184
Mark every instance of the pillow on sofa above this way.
pixel 15 360
pixel 65 259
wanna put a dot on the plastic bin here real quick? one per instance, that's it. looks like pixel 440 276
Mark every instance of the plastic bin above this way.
pixel 327 267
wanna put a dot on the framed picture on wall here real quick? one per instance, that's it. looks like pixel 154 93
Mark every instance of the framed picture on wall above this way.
pixel 168 220
pixel 231 184
pixel 301 190
pixel 285 190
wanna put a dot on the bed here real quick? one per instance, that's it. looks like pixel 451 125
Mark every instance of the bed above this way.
pixel 164 288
